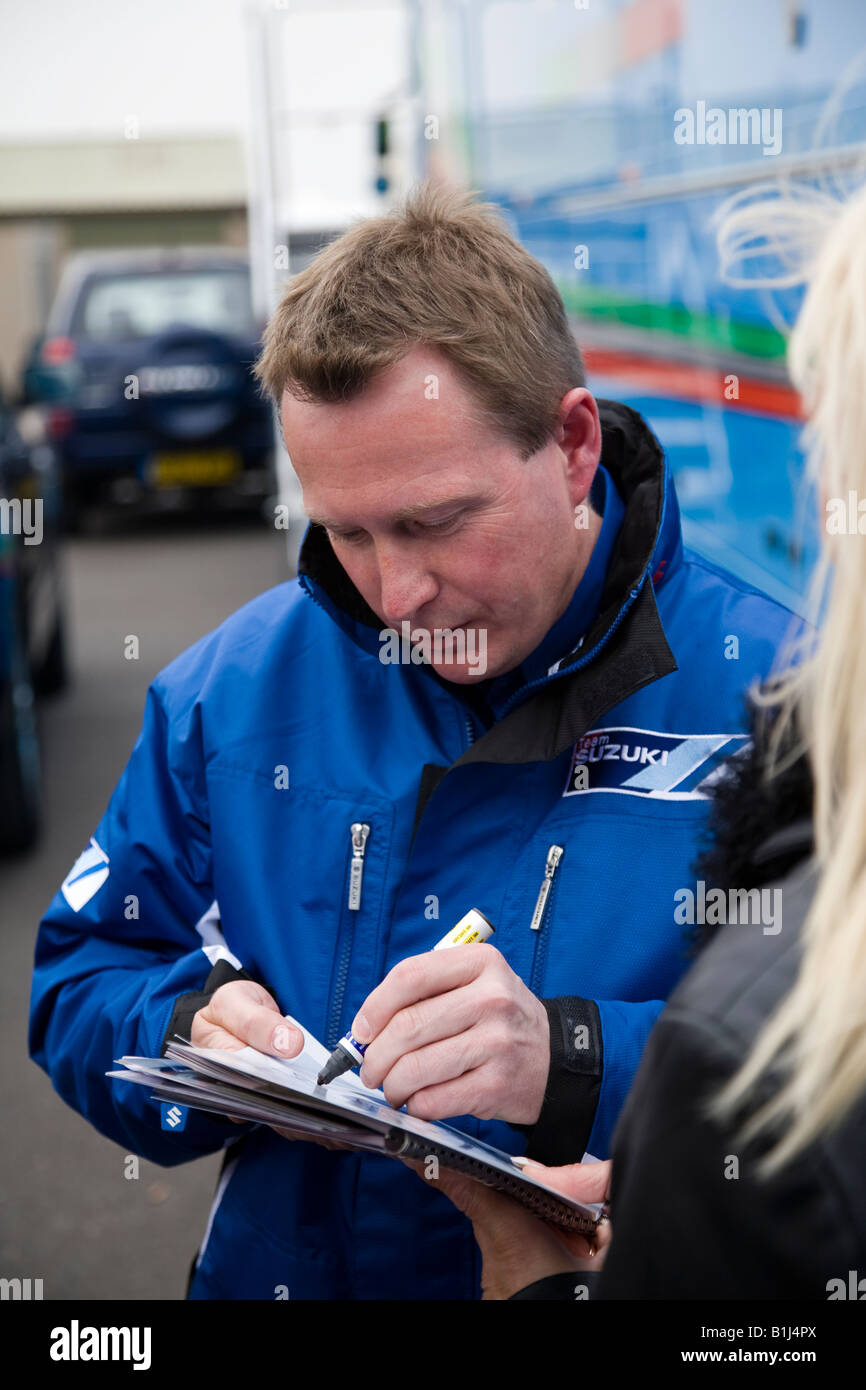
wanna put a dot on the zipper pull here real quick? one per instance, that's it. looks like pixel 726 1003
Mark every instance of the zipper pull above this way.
pixel 360 831
pixel 554 854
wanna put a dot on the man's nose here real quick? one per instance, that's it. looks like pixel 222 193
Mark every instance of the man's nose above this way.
pixel 405 583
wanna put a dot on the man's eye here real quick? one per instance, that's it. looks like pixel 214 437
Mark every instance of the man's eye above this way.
pixel 349 537
pixel 436 527
pixel 414 528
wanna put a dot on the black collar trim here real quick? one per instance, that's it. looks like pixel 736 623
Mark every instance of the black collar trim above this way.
pixel 556 716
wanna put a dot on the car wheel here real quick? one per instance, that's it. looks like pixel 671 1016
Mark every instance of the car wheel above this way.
pixel 20 772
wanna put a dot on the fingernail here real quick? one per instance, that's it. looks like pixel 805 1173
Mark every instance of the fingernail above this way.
pixel 361 1030
pixel 280 1040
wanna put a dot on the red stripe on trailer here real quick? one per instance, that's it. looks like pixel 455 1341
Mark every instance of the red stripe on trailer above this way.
pixel 696 383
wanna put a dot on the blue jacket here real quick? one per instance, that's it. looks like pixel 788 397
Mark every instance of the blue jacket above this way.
pixel 227 844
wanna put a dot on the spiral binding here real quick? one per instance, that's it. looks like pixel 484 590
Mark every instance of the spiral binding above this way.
pixel 403 1145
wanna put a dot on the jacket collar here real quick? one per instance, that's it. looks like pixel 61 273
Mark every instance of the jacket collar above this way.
pixel 623 650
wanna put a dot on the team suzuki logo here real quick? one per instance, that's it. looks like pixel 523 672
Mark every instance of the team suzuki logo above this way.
pixel 87 874
pixel 644 762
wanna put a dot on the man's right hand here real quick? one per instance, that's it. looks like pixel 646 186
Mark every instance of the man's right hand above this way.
pixel 243 1014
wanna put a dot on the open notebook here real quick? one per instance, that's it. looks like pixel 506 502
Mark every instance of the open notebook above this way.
pixel 248 1085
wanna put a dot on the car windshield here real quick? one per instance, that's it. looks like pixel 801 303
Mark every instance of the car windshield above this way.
pixel 141 304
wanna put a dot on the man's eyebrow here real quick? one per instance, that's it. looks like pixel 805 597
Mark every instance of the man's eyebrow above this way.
pixel 407 513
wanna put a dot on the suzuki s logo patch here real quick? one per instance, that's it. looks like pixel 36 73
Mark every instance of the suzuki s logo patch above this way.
pixel 643 762
pixel 172 1116
pixel 86 876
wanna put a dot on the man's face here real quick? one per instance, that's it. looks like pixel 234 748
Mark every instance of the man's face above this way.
pixel 436 519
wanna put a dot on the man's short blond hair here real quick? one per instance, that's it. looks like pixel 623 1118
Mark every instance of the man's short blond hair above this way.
pixel 442 270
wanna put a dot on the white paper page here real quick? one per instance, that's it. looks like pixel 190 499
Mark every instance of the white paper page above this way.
pixel 317 1055
pixel 189 1088
pixel 286 1070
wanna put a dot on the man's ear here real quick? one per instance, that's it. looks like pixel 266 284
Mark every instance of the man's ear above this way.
pixel 579 437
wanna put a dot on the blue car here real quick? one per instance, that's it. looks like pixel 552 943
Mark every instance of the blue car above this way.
pixel 144 374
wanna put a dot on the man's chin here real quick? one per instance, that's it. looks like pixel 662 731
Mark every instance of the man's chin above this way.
pixel 471 672
pixel 466 674
pixel 459 654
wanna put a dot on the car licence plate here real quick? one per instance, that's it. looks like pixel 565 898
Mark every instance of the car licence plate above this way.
pixel 206 469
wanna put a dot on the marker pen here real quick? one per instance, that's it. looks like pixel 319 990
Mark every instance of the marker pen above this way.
pixel 349 1053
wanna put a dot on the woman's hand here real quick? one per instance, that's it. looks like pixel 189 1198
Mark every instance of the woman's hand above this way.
pixel 518 1248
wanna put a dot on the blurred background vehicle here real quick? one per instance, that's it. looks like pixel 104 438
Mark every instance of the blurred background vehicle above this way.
pixel 145 375
pixel 32 631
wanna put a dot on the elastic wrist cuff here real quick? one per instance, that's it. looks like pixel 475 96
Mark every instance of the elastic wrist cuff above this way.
pixel 186 1006
pixel 561 1133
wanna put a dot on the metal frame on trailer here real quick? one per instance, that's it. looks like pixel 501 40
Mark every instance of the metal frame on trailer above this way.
pixel 269 199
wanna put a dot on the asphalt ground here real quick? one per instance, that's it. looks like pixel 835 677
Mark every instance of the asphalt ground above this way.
pixel 68 1214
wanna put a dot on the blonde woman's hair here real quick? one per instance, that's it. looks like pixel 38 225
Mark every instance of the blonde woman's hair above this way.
pixel 442 270
pixel 816 1039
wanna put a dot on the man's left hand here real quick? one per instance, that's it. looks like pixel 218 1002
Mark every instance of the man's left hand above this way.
pixel 517 1248
pixel 456 1032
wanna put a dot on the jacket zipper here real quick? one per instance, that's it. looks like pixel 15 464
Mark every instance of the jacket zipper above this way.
pixel 470 731
pixel 554 856
pixel 359 832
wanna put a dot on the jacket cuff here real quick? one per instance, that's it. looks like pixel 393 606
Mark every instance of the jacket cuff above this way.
pixel 561 1132
pixel 186 1006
